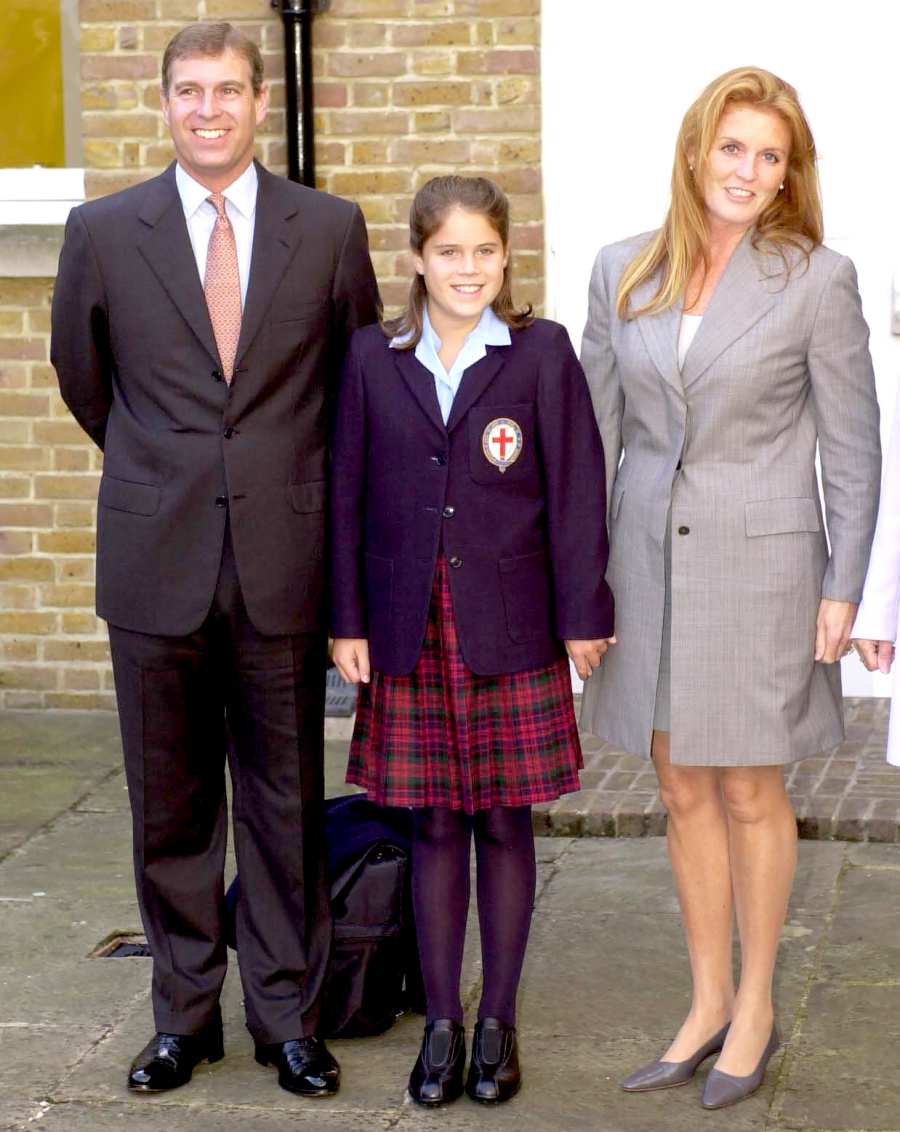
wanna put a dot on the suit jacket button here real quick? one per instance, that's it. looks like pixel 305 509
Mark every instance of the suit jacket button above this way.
pixel 217 375
pixel 221 500
pixel 228 433
pixel 455 562
pixel 684 530
pixel 439 461
pixel 449 512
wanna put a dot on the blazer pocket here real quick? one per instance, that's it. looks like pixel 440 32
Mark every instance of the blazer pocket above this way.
pixel 302 311
pixel 525 586
pixel 514 437
pixel 781 516
pixel 307 497
pixel 124 495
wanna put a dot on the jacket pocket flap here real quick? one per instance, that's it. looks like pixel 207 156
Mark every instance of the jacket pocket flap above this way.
pixel 123 495
pixel 536 560
pixel 781 516
pixel 307 497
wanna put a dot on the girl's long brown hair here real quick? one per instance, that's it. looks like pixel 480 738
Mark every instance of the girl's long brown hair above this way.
pixel 429 209
pixel 793 219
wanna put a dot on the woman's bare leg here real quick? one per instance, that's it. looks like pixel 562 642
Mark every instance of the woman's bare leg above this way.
pixel 698 842
pixel 763 845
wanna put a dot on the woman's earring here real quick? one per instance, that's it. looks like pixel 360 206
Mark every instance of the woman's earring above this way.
pixel 781 187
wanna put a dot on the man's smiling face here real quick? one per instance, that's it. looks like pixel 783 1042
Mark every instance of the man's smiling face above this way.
pixel 212 113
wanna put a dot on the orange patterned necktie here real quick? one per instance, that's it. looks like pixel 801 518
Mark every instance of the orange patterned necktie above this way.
pixel 222 287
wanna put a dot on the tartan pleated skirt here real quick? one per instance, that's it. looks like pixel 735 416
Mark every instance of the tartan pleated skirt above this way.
pixel 444 736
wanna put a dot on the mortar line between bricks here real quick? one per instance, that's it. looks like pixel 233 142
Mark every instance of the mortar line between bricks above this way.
pixel 50 823
pixel 773 1116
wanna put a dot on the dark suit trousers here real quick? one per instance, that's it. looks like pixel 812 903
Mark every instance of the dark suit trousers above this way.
pixel 178 699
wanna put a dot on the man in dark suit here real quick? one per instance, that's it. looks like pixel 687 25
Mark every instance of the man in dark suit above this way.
pixel 199 323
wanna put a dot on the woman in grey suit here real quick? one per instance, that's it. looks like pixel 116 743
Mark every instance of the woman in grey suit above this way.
pixel 721 351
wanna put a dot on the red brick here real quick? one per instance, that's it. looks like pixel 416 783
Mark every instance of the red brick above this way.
pixel 119 66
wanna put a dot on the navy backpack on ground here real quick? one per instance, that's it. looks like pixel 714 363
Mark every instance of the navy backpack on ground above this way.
pixel 373 974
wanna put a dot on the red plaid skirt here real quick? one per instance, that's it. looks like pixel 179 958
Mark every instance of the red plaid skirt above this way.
pixel 443 736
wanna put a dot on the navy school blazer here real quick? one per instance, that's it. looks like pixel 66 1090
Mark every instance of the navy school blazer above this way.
pixel 526 545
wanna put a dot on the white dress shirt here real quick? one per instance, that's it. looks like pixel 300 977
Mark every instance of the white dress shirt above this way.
pixel 200 214
pixel 490 331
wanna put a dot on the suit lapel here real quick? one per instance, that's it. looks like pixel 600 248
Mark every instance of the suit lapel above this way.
pixel 420 382
pixel 275 242
pixel 167 248
pixel 660 333
pixel 743 295
pixel 474 382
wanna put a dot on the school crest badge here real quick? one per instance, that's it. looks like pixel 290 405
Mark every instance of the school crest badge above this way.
pixel 501 443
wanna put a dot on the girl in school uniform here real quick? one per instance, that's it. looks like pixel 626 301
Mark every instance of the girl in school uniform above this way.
pixel 468 556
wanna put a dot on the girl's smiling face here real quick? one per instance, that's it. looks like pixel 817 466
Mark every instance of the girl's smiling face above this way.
pixel 746 165
pixel 463 265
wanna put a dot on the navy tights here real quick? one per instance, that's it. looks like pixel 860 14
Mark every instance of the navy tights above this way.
pixel 504 853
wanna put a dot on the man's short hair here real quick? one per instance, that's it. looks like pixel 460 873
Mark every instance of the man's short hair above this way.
pixel 210 40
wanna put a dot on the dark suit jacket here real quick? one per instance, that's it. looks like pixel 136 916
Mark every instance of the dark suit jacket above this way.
pixel 527 547
pixel 137 364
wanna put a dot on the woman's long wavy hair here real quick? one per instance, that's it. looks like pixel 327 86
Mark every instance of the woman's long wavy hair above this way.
pixel 429 209
pixel 792 220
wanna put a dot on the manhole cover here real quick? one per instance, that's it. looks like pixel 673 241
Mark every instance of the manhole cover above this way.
pixel 340 697
pixel 121 945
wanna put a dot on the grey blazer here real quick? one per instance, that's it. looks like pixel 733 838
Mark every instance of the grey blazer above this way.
pixel 724 454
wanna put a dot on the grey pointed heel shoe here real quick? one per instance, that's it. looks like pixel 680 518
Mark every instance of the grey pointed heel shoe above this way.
pixel 722 1089
pixel 669 1074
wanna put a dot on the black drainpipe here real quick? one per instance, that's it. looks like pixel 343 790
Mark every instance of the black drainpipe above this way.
pixel 297 17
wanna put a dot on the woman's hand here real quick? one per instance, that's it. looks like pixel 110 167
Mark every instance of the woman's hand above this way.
pixel 875 655
pixel 351 658
pixel 833 625
pixel 587 655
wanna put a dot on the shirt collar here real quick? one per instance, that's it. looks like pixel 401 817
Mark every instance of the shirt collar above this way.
pixel 491 330
pixel 241 193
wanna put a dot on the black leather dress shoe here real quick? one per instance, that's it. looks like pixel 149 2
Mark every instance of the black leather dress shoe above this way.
pixel 494 1074
pixel 169 1059
pixel 437 1076
pixel 304 1066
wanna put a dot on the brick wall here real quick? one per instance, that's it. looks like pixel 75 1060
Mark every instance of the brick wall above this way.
pixel 404 89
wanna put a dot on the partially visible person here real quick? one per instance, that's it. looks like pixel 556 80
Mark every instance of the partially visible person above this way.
pixel 199 326
pixel 875 628
pixel 469 550
pixel 722 352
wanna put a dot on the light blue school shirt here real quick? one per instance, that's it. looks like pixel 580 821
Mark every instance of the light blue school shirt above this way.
pixel 490 331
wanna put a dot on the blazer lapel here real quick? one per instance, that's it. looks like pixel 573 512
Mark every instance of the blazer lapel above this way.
pixel 420 382
pixel 743 295
pixel 275 242
pixel 474 382
pixel 660 334
pixel 167 248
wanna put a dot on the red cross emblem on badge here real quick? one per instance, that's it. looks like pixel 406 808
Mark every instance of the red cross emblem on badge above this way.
pixel 501 442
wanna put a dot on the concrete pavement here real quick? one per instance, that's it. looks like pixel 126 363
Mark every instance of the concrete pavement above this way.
pixel 605 983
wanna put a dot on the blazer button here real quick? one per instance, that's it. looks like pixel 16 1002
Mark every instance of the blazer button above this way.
pixel 678 466
pixel 439 461
pixel 455 562
pixel 217 375
pixel 684 530
pixel 229 432
pixel 449 512
pixel 221 500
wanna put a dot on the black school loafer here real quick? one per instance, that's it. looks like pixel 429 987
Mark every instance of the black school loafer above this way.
pixel 437 1076
pixel 168 1060
pixel 304 1065
pixel 494 1074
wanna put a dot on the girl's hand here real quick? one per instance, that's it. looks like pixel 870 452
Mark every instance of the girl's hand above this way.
pixel 875 654
pixel 833 625
pixel 587 655
pixel 351 658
